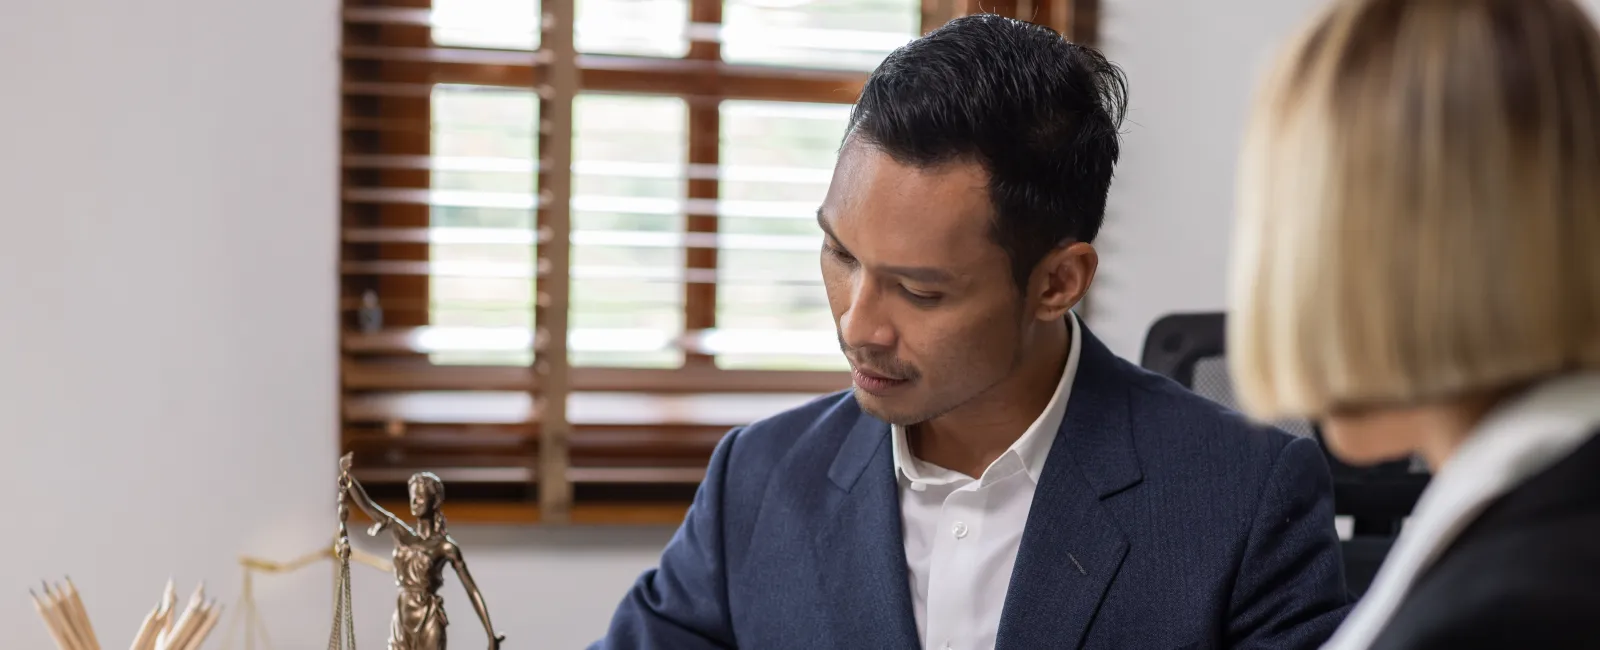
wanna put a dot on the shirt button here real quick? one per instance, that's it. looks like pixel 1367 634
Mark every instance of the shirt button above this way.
pixel 960 531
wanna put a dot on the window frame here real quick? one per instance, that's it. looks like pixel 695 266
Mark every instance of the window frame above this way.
pixel 390 67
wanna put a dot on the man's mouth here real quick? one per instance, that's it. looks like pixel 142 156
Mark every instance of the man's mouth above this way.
pixel 877 375
pixel 874 382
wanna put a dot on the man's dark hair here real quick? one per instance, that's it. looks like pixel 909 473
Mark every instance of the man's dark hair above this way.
pixel 1040 114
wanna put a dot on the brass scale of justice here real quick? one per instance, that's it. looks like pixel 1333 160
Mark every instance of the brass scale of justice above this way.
pixel 421 553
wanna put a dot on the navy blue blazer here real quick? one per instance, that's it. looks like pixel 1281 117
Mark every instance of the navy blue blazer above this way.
pixel 1161 520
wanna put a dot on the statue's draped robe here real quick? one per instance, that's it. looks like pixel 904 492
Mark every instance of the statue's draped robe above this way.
pixel 419 619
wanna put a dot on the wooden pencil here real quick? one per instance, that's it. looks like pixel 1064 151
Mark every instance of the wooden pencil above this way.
pixel 182 632
pixel 213 614
pixel 77 619
pixel 178 637
pixel 83 615
pixel 68 629
pixel 78 625
pixel 164 620
pixel 211 623
pixel 208 620
pixel 147 630
pixel 169 613
pixel 50 622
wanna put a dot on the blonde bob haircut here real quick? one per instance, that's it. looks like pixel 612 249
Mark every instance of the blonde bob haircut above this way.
pixel 1419 208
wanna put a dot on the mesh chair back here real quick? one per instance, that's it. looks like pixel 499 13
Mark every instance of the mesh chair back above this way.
pixel 1211 381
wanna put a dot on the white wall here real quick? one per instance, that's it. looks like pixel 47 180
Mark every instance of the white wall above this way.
pixel 167 281
pixel 1191 67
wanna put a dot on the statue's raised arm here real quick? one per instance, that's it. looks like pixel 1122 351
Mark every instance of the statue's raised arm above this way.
pixel 383 519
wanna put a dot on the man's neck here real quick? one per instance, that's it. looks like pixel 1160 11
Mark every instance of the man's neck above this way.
pixel 971 437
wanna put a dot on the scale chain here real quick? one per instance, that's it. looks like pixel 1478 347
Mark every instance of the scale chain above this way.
pixel 342 614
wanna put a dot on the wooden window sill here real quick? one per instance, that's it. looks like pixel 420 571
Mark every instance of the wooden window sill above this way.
pixel 490 513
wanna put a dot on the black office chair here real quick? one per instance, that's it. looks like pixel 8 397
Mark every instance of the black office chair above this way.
pixel 1191 349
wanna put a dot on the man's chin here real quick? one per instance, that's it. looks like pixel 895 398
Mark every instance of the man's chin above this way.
pixel 877 407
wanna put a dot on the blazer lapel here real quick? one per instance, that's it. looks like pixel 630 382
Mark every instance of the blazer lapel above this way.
pixel 1071 547
pixel 860 551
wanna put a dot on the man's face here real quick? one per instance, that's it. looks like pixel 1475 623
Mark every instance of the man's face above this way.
pixel 922 297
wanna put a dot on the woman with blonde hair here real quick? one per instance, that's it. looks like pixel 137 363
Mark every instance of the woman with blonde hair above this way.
pixel 1417 267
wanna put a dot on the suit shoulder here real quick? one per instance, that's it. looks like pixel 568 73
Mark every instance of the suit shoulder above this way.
pixel 1547 552
pixel 766 441
pixel 1179 416
pixel 1515 588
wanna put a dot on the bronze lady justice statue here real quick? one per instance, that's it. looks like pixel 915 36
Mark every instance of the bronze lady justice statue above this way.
pixel 420 555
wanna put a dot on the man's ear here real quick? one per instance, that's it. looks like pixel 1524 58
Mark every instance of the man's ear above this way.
pixel 1062 278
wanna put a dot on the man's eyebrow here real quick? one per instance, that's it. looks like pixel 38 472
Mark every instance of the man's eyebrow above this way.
pixel 823 224
pixel 924 274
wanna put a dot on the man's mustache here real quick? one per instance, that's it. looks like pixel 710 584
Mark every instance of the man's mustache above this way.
pixel 877 362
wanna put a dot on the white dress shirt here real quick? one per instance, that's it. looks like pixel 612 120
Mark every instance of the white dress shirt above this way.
pixel 962 534
pixel 1515 442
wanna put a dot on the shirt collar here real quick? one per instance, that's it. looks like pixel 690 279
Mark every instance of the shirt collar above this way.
pixel 1031 449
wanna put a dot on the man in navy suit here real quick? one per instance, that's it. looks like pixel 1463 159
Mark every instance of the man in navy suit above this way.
pixel 996 478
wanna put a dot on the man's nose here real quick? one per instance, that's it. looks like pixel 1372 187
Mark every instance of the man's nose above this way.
pixel 865 324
